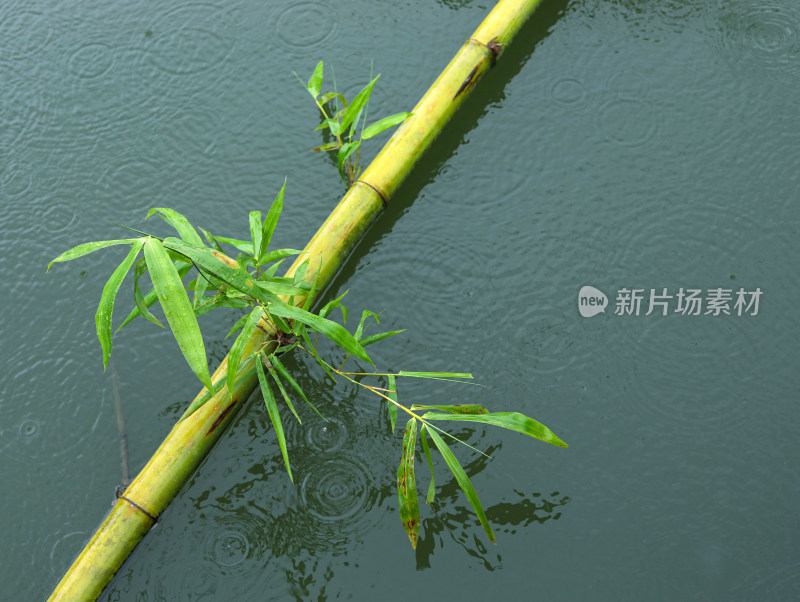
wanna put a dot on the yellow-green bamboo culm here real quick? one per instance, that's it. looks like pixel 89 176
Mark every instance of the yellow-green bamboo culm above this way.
pixel 173 463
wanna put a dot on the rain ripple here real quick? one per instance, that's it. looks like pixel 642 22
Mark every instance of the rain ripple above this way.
pixel 306 26
pixel 758 35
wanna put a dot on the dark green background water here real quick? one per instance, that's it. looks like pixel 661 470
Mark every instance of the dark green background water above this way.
pixel 618 144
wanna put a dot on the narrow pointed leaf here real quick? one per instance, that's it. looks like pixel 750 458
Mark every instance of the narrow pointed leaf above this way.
pixel 509 420
pixel 271 256
pixel 281 369
pixel 151 297
pixel 384 124
pixel 328 147
pixel 392 394
pixel 212 240
pixel 348 148
pixel 89 247
pixel 243 245
pixel 239 323
pixel 200 286
pixel 274 414
pixel 315 81
pixel 435 375
pixel 278 288
pixel 178 309
pixel 407 501
pixel 282 389
pixel 364 315
pixel 331 305
pixel 358 103
pixel 463 481
pixel 330 96
pixel 432 487
pixel 378 337
pixel 235 354
pixel 105 309
pixel 466 408
pixel 256 230
pixel 270 221
pixel 185 230
pixel 138 298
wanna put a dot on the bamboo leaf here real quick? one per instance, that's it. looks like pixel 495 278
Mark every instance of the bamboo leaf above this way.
pixel 466 408
pixel 463 481
pixel 239 323
pixel 200 286
pixel 105 309
pixel 435 375
pixel 332 330
pixel 151 297
pixel 89 247
pixel 358 103
pixel 509 420
pixel 328 146
pixel 348 148
pixel 281 369
pixel 279 288
pixel 315 81
pixel 274 415
pixel 141 268
pixel 378 337
pixel 180 315
pixel 242 245
pixel 330 96
pixel 331 305
pixel 407 485
pixel 271 256
pixel 256 230
pixel 269 224
pixel 364 315
pixel 282 389
pixel 212 240
pixel 235 354
pixel 384 124
pixel 185 230
pixel 432 487
pixel 392 394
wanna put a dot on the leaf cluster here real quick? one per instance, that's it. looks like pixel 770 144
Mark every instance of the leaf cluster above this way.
pixel 342 120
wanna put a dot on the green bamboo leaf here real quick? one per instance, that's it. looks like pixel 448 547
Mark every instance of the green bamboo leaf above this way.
pixel 315 81
pixel 212 240
pixel 239 323
pixel 282 389
pixel 332 330
pixel 435 375
pixel 392 394
pixel 138 298
pixel 235 354
pixel 358 103
pixel 465 408
pixel 274 414
pixel 332 125
pixel 255 232
pixel 407 485
pixel 243 245
pixel 217 302
pixel 277 254
pixel 178 309
pixel 200 287
pixel 151 297
pixel 105 309
pixel 278 288
pixel 432 487
pixel 364 315
pixel 463 481
pixel 384 124
pixel 281 369
pixel 330 96
pixel 269 224
pixel 89 247
pixel 331 305
pixel 378 337
pixel 509 420
pixel 348 148
pixel 185 230
pixel 328 146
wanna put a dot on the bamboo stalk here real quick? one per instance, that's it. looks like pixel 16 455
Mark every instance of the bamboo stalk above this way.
pixel 191 439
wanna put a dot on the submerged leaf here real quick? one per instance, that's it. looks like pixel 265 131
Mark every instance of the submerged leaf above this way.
pixel 178 309
pixel 407 501
pixel 463 481
pixel 105 309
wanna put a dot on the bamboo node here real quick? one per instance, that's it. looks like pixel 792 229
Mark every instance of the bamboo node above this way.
pixel 135 505
pixel 376 189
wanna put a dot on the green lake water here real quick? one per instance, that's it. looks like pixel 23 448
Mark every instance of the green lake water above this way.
pixel 640 146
